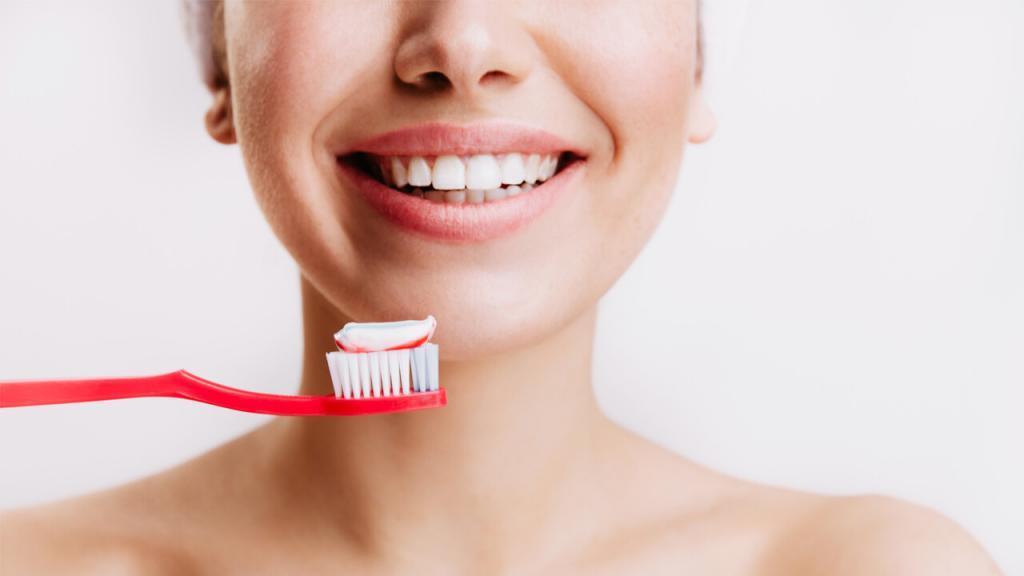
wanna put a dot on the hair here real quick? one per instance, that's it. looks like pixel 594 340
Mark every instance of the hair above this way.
pixel 204 25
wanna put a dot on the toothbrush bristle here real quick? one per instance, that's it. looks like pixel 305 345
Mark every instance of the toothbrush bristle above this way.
pixel 364 374
pixel 375 373
pixel 396 388
pixel 419 372
pixel 433 378
pixel 404 361
pixel 332 366
pixel 353 375
pixel 384 374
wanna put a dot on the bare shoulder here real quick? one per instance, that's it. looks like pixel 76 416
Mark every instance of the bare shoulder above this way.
pixel 876 535
pixel 149 526
pixel 78 536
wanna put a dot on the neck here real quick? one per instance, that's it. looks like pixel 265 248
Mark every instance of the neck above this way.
pixel 518 427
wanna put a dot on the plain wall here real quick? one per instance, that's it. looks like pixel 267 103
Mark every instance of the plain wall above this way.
pixel 834 301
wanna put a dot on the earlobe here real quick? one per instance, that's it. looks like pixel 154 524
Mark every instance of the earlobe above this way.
pixel 701 119
pixel 220 122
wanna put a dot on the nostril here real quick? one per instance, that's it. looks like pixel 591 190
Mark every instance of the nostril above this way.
pixel 494 77
pixel 433 80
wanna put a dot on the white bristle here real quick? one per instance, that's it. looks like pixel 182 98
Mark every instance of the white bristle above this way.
pixel 375 373
pixel 433 378
pixel 346 364
pixel 393 377
pixel 413 374
pixel 387 373
pixel 419 369
pixel 353 375
pixel 334 374
pixel 364 374
pixel 403 367
pixel 423 369
pixel 346 386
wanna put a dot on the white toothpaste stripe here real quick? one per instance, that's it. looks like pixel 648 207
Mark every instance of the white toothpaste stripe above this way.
pixel 380 336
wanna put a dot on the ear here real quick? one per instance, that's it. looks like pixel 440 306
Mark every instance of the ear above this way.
pixel 220 122
pixel 702 119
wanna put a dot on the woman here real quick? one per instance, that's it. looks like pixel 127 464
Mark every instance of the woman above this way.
pixel 521 473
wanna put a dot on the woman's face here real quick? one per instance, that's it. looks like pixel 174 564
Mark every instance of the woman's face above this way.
pixel 609 86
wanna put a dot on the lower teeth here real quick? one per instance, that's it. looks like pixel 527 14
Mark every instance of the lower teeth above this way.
pixel 467 196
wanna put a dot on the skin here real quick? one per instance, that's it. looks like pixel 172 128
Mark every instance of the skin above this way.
pixel 521 473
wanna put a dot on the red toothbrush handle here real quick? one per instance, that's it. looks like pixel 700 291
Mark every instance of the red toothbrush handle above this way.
pixel 182 384
pixel 34 393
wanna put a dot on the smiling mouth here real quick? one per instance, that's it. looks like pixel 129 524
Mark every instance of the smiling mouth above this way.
pixel 462 179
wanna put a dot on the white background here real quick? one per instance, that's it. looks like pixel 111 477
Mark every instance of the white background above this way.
pixel 835 301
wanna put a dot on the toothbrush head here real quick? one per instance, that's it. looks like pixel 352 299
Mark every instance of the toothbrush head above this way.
pixel 385 373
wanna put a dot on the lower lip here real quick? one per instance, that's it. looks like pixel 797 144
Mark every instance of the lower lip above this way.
pixel 462 222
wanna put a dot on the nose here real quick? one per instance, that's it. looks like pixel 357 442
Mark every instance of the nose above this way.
pixel 464 46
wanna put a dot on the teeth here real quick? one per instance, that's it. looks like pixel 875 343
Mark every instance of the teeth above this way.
pixel 398 175
pixel 547 168
pixel 482 172
pixel 512 169
pixel 449 173
pixel 531 168
pixel 419 172
pixel 495 194
pixel 470 180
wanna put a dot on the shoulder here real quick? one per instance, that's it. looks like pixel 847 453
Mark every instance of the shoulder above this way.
pixel 879 536
pixel 160 524
pixel 72 538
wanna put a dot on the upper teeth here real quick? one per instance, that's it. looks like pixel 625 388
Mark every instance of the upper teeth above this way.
pixel 477 172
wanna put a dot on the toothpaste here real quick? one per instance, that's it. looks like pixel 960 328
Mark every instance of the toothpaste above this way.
pixel 381 336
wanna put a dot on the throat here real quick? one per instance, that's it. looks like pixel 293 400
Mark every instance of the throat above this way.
pixel 516 428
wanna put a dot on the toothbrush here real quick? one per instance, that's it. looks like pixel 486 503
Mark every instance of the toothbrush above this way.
pixel 384 359
pixel 389 373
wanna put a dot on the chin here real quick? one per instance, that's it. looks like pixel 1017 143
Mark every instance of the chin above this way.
pixel 474 320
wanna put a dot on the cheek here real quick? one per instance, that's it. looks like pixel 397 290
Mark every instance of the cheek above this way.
pixel 290 64
pixel 637 76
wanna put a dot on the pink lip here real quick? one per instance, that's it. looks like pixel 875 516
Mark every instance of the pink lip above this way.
pixel 433 139
pixel 462 222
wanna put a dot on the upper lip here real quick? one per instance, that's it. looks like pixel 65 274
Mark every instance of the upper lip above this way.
pixel 439 138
